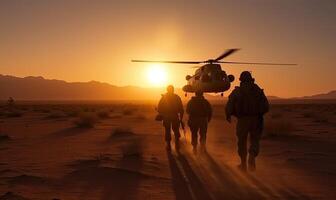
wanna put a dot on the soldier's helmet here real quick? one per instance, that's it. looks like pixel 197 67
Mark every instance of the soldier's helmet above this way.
pixel 246 76
pixel 199 93
pixel 170 89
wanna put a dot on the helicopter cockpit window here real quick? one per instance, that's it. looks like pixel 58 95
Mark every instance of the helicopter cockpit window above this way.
pixel 206 78
pixel 218 76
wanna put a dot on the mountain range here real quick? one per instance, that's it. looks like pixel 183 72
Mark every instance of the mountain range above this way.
pixel 39 88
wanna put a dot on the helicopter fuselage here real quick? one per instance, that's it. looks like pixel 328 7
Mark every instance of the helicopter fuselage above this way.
pixel 209 78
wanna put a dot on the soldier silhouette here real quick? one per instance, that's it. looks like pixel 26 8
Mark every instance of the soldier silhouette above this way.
pixel 171 109
pixel 248 103
pixel 200 113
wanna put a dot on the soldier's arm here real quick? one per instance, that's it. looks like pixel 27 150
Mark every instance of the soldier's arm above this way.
pixel 265 101
pixel 180 106
pixel 209 108
pixel 229 109
pixel 160 105
pixel 188 107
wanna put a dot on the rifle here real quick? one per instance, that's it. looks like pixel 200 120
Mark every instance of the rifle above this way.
pixel 183 128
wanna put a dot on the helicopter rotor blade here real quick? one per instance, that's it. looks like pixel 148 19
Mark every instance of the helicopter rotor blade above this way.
pixel 226 53
pixel 251 63
pixel 165 61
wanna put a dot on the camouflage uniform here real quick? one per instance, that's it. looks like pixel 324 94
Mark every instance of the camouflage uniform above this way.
pixel 169 107
pixel 200 113
pixel 248 103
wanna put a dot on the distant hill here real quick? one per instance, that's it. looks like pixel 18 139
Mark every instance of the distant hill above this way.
pixel 329 95
pixel 38 88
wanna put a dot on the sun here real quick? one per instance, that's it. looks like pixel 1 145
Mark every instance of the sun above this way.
pixel 156 75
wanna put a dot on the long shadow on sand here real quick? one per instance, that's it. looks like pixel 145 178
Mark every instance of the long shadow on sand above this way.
pixel 186 183
pixel 231 185
pixel 68 132
pixel 109 182
pixel 255 189
pixel 105 178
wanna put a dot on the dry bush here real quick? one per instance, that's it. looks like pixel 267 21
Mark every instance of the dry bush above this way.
pixel 86 120
pixel 316 116
pixel 72 113
pixel 42 110
pixel 141 117
pixel 128 111
pixel 307 114
pixel 103 114
pixel 276 115
pixel 121 132
pixel 288 109
pixel 89 109
pixel 321 118
pixel 24 108
pixel 13 113
pixel 133 148
pixel 4 137
pixel 278 128
pixel 56 114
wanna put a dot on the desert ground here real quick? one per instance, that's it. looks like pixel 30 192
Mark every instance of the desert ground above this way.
pixel 115 150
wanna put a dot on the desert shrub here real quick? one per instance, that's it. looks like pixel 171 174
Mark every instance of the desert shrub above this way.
pixel 133 148
pixel 56 114
pixel 103 114
pixel 72 113
pixel 24 108
pixel 42 110
pixel 288 109
pixel 121 132
pixel 89 109
pixel 278 128
pixel 86 120
pixel 14 113
pixel 128 111
pixel 308 114
pixel 116 116
pixel 4 137
pixel 316 116
pixel 141 117
pixel 321 118
pixel 276 115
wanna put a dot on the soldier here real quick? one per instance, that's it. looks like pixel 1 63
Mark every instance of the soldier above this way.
pixel 248 103
pixel 200 113
pixel 171 109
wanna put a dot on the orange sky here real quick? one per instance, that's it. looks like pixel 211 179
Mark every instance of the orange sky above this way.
pixel 95 40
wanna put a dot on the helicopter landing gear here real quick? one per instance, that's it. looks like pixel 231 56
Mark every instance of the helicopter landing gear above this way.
pixel 222 94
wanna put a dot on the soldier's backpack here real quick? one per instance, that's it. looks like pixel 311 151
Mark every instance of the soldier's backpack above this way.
pixel 251 100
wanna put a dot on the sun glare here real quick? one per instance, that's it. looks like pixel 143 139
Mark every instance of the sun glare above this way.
pixel 157 75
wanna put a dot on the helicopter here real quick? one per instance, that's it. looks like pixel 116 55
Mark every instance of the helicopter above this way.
pixel 210 78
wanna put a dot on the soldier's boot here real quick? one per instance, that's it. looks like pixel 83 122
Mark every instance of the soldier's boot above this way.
pixel 195 149
pixel 203 148
pixel 251 163
pixel 168 146
pixel 177 145
pixel 242 166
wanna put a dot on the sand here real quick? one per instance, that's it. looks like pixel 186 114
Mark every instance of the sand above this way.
pixel 44 155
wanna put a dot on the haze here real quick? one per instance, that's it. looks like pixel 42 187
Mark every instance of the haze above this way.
pixel 95 40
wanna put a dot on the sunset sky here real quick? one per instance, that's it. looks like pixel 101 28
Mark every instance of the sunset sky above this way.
pixel 83 40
